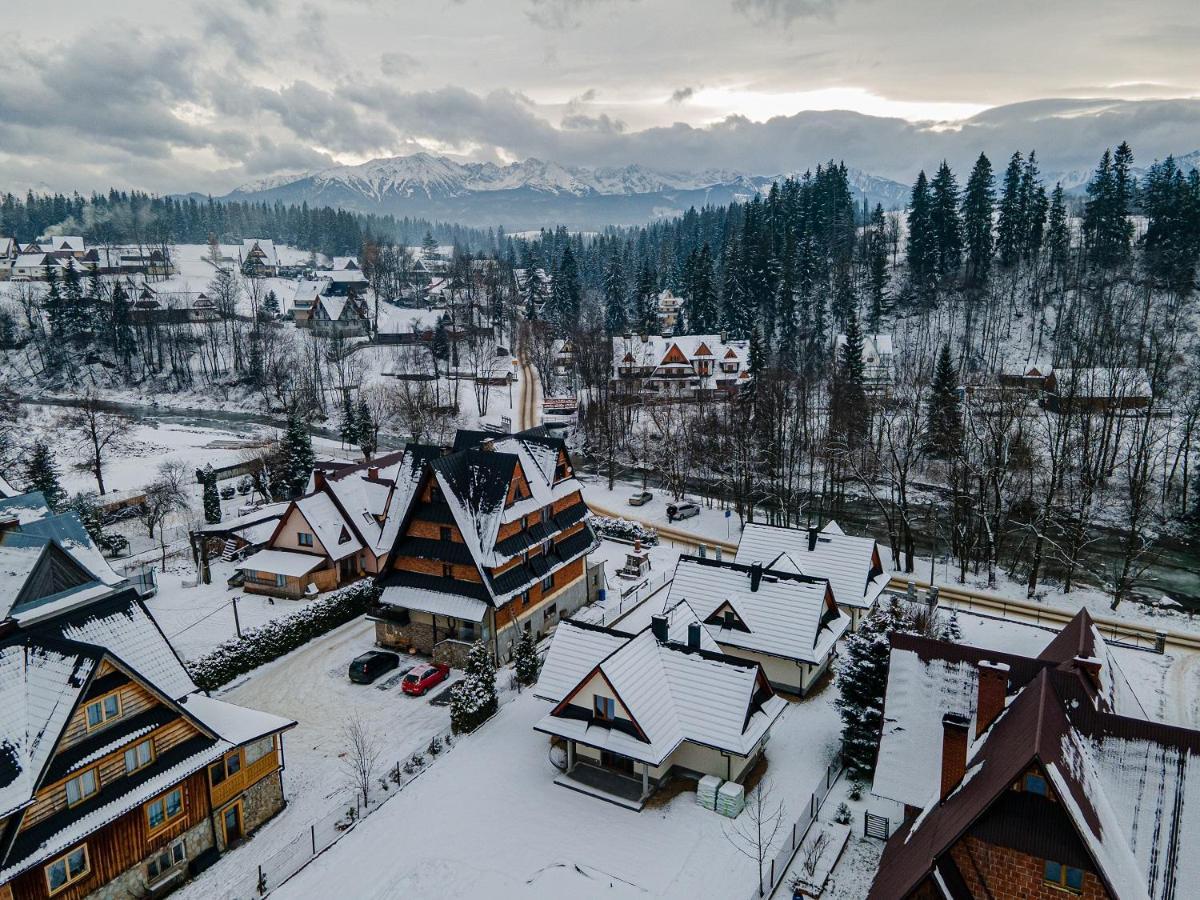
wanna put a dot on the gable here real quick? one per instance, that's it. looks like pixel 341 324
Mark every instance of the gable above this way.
pixel 286 535
pixel 725 616
pixel 674 355
pixel 55 573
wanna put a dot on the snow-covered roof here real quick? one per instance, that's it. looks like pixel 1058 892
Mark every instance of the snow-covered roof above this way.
pixel 270 256
pixel 344 262
pixel 456 606
pixel 574 652
pixel 281 562
pixel 328 524
pixel 879 345
pixel 6 489
pixel 847 562
pixel 269 513
pixel 655 352
pixel 789 616
pixel 672 695
pixel 236 724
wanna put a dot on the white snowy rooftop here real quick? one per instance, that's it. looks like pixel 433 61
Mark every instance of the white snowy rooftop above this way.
pixel 281 562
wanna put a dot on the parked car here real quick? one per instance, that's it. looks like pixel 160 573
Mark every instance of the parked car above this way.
pixel 227 492
pixel 371 665
pixel 641 498
pixel 245 485
pixel 682 511
pixel 423 677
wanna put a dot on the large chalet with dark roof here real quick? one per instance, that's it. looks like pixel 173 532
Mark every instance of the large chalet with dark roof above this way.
pixel 117 779
pixel 494 543
pixel 1052 779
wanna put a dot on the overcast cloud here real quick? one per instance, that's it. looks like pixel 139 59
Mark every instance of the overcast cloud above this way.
pixel 134 93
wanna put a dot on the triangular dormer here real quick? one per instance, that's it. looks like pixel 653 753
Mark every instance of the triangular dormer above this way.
pixel 725 616
pixel 56 572
pixel 344 537
pixel 729 354
pixel 703 350
pixel 674 356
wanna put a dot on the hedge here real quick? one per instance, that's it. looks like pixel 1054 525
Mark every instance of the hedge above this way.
pixel 237 656
pixel 624 529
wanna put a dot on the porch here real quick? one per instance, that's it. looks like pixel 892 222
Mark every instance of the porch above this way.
pixel 611 777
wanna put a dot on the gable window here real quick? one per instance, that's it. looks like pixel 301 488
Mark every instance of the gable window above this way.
pixel 100 711
pixel 304 538
pixel 139 756
pixel 605 708
pixel 67 870
pixel 1063 876
pixel 447 570
pixel 1035 784
pixel 225 768
pixel 447 534
pixel 165 809
pixel 166 859
pixel 82 786
pixel 731 619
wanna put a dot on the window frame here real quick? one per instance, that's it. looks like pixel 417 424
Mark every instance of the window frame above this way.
pixel 134 750
pixel 1062 883
pixel 94 771
pixel 223 762
pixel 548 582
pixel 604 709
pixel 65 859
pixel 304 538
pixel 176 854
pixel 1033 783
pixel 446 534
pixel 102 703
pixel 167 819
pixel 447 570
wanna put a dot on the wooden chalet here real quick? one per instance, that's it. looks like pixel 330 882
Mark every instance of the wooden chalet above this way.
pixel 117 779
pixel 683 366
pixel 494 543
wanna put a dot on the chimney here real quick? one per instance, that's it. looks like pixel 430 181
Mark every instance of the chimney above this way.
pixel 955 729
pixel 318 480
pixel 693 635
pixel 993 686
pixel 1089 667
pixel 755 576
pixel 658 626
pixel 372 473
pixel 645 337
pixel 8 626
pixel 812 538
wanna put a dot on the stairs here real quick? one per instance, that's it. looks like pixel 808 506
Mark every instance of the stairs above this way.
pixel 229 551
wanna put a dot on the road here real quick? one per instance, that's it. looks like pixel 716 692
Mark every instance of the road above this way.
pixel 529 412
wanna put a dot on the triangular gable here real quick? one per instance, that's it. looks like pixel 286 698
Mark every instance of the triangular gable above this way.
pixel 726 616
pixel 729 354
pixel 56 572
pixel 587 680
pixel 703 350
pixel 674 356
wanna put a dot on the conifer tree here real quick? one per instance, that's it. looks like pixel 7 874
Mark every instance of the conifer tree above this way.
pixel 922 248
pixel 525 660
pixel 877 269
pixel 366 428
pixel 702 312
pixel 1106 225
pixel 439 345
pixel 296 454
pixel 473 699
pixel 646 300
pixel 212 499
pixel 943 428
pixel 563 305
pixel 41 474
pixel 949 629
pixel 978 205
pixel 1034 206
pixel 1010 225
pixel 862 682
pixel 946 224
pixel 74 315
pixel 56 313
pixel 615 316
pixel 534 293
pixel 849 414
pixel 1058 233
pixel 348 432
pixel 124 342
pixel 270 306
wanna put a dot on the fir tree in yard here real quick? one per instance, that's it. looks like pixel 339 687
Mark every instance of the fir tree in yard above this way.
pixel 56 312
pixel 473 699
pixel 978 204
pixel 348 433
pixel 212 499
pixel 429 246
pixel 949 629
pixel 367 439
pixel 1010 225
pixel 296 453
pixel 877 264
pixel 944 425
pixel 922 248
pixel 439 346
pixel 946 224
pixel 121 334
pixel 525 660
pixel 41 474
pixel 615 317
pixel 270 306
pixel 862 682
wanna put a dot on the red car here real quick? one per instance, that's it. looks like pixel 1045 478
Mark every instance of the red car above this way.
pixel 421 678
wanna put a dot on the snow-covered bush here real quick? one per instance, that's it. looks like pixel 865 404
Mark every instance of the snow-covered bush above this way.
pixel 473 699
pixel 624 529
pixel 237 656
pixel 435 746
pixel 843 816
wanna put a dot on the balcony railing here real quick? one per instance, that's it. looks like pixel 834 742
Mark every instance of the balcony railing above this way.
pixel 244 778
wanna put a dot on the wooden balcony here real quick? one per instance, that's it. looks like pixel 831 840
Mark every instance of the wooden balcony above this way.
pixel 244 778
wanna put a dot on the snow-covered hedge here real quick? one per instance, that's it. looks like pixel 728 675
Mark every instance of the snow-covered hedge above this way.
pixel 237 656
pixel 624 530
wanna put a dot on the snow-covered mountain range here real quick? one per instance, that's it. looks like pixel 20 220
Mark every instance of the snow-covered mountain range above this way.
pixel 528 193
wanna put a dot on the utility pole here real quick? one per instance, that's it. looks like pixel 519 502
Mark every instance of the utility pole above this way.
pixel 237 624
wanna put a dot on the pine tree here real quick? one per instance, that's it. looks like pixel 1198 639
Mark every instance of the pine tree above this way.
pixel 212 499
pixel 1034 206
pixel 1058 232
pixel 922 247
pixel 525 660
pixel 348 433
pixel 270 306
pixel 562 309
pixel 56 312
pixel 122 337
pixel 1106 225
pixel 296 454
pixel 978 205
pixel 877 264
pixel 429 247
pixel 943 429
pixel 41 474
pixel 849 416
pixel 1010 224
pixel 757 358
pixel 862 682
pixel 949 629
pixel 615 316
pixel 365 426
pixel 535 292
pixel 440 344
pixel 703 314
pixel 946 224
pixel 473 699
pixel 74 314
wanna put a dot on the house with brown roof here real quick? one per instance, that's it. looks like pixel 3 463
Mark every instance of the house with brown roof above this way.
pixel 686 365
pixel 1032 777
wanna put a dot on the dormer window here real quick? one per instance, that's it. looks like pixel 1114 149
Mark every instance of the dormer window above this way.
pixel 101 711
pixel 604 708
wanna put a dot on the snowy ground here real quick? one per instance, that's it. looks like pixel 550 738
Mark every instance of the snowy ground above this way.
pixel 712 522
pixel 310 686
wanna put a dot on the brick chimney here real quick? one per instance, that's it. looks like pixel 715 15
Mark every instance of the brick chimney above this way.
pixel 318 480
pixel 658 627
pixel 993 686
pixel 1089 666
pixel 372 473
pixel 812 538
pixel 955 729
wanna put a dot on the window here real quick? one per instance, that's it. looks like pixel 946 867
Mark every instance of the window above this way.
pixel 730 619
pixel 1035 784
pixel 548 582
pixel 605 708
pixel 435 493
pixel 82 786
pixel 526 596
pixel 224 768
pixel 1063 876
pixel 100 711
pixel 67 869
pixel 280 581
pixel 551 612
pixel 139 756
pixel 165 809
pixel 166 859
pixel 524 521
pixel 447 570
pixel 546 545
pixel 447 534
pixel 304 538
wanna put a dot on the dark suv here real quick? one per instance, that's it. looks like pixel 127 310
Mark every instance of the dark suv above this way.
pixel 371 665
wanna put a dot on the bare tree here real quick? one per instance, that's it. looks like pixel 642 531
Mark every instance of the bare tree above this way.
pixel 98 434
pixel 164 496
pixel 361 756
pixel 753 833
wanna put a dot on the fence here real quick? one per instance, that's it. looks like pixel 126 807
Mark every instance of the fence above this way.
pixel 772 875
pixel 634 598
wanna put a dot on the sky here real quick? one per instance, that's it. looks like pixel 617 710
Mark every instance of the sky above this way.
pixel 207 95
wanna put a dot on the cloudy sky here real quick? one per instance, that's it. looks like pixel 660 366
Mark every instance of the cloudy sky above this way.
pixel 209 94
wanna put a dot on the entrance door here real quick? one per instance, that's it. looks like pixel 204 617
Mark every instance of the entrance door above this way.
pixel 616 762
pixel 231 822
